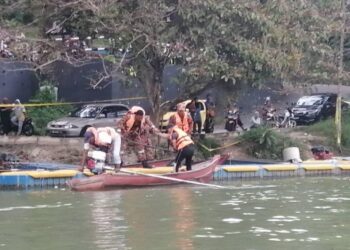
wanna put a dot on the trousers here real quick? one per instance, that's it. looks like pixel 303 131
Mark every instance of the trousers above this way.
pixel 186 154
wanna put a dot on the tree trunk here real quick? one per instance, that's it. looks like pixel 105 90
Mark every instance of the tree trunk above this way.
pixel 151 78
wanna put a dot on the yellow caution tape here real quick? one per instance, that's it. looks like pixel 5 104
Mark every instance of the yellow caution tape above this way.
pixel 214 149
pixel 67 103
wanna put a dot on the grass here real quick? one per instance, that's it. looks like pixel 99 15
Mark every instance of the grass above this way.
pixel 327 129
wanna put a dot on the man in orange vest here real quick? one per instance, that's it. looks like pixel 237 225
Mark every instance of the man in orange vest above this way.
pixel 136 128
pixel 183 145
pixel 182 119
pixel 106 140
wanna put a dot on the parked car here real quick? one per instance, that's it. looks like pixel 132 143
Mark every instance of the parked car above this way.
pixel 315 107
pixel 165 118
pixel 92 115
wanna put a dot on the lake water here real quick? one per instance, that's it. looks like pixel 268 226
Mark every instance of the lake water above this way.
pixel 310 213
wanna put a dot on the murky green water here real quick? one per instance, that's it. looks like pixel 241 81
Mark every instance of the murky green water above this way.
pixel 284 214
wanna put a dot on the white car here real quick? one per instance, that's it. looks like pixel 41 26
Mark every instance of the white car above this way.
pixel 91 115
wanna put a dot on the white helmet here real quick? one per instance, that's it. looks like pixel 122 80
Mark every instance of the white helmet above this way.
pixel 268 98
pixel 104 138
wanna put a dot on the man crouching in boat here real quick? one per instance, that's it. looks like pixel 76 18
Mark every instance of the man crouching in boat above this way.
pixel 182 144
pixel 136 128
pixel 98 143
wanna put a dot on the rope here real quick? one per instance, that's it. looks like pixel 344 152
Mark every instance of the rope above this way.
pixel 222 147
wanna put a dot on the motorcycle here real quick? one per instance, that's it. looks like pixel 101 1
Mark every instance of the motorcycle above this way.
pixel 286 121
pixel 232 120
pixel 27 128
pixel 271 119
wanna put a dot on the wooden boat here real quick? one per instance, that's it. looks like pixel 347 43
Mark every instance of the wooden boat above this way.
pixel 202 172
pixel 27 166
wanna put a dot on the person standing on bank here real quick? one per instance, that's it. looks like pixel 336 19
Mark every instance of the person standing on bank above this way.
pixel 5 114
pixel 197 119
pixel 19 116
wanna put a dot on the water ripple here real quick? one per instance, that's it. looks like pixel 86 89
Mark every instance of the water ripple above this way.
pixel 212 236
pixel 299 231
pixel 6 209
pixel 280 218
pixel 232 220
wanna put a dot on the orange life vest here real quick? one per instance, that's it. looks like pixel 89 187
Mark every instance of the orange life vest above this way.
pixel 183 139
pixel 182 124
pixel 131 114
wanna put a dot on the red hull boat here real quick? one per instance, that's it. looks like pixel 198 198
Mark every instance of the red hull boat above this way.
pixel 202 172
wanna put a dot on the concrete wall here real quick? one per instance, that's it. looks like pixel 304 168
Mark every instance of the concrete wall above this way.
pixel 16 82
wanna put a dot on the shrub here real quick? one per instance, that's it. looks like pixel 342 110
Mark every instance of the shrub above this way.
pixel 265 143
pixel 42 115
pixel 19 16
pixel 204 145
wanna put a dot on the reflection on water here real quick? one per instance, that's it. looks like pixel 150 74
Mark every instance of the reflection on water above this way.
pixel 108 221
pixel 285 214
pixel 184 214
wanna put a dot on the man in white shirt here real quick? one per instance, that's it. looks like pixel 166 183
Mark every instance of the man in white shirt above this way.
pixel 19 116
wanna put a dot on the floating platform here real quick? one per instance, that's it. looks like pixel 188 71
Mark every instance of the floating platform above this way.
pixel 55 176
pixel 282 170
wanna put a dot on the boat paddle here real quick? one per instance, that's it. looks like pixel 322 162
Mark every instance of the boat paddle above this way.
pixel 172 179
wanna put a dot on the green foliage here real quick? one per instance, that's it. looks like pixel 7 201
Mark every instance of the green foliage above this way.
pixel 206 143
pixel 42 115
pixel 240 41
pixel 326 128
pixel 19 16
pixel 265 143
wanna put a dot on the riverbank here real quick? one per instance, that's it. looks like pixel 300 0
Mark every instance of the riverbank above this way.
pixel 68 150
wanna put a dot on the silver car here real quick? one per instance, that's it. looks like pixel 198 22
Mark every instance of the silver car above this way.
pixel 92 115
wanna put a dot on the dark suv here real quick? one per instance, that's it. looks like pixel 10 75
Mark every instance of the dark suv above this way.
pixel 315 107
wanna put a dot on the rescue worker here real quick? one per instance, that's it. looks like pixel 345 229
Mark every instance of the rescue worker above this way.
pixel 135 129
pixel 106 140
pixel 183 145
pixel 182 119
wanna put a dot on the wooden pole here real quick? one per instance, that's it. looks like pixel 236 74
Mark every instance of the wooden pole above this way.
pixel 340 73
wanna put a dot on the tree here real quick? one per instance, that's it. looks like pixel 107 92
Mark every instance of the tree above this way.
pixel 212 40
